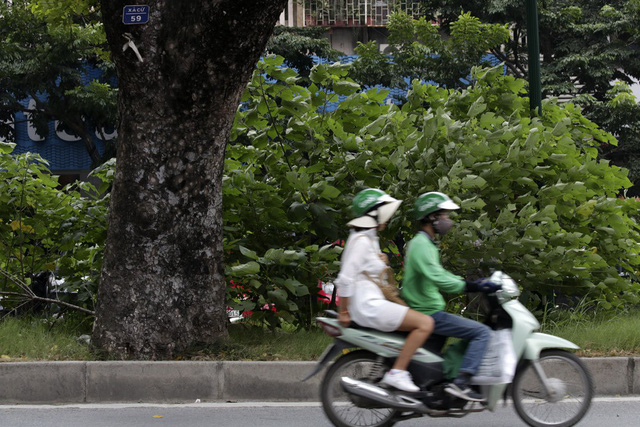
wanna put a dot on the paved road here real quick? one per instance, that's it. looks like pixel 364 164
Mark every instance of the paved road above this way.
pixel 618 412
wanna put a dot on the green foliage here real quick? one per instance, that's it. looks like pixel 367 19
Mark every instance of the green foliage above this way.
pixel 45 228
pixel 297 44
pixel 536 201
pixel 372 67
pixel 419 51
pixel 619 110
pixel 273 201
pixel 46 46
pixel 64 12
pixel 608 29
pixel 96 102
pixel 586 47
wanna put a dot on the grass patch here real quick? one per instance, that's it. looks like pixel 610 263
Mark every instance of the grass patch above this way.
pixel 617 336
pixel 32 339
pixel 248 342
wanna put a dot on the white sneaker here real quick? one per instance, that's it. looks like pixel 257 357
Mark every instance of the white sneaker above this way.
pixel 400 380
pixel 464 392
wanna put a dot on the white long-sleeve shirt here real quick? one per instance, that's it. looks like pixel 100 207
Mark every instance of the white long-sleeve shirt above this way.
pixel 361 254
pixel 360 263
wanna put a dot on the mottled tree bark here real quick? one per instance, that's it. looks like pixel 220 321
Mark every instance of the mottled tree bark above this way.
pixel 162 287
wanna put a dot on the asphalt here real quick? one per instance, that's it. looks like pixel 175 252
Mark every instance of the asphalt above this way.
pixel 188 382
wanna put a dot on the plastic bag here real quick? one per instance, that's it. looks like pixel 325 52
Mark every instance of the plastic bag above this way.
pixel 498 365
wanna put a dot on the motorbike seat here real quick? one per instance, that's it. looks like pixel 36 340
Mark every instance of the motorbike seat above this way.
pixel 434 343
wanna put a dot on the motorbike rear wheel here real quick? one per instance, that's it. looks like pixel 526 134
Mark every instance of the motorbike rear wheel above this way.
pixel 572 385
pixel 345 410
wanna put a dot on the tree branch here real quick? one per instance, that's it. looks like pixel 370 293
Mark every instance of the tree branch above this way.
pixel 517 71
pixel 88 141
pixel 33 297
pixel 22 285
pixel 49 300
pixel 71 122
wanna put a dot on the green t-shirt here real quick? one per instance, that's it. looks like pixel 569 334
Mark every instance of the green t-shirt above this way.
pixel 424 277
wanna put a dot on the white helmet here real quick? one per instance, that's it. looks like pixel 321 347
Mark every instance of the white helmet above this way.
pixel 372 207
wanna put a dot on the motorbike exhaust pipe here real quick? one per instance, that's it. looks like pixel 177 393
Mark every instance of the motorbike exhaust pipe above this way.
pixel 382 396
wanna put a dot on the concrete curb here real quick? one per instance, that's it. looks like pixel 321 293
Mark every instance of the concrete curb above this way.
pixel 184 382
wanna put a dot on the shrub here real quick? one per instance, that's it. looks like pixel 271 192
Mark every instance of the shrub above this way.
pixel 45 228
pixel 536 200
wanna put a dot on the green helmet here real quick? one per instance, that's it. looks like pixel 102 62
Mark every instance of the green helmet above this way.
pixel 372 207
pixel 433 201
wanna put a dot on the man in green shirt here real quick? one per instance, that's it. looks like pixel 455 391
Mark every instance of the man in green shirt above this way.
pixel 425 278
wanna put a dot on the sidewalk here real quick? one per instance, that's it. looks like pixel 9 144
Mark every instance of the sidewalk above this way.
pixel 184 382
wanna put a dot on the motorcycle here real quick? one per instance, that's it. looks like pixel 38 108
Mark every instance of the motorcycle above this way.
pixel 550 387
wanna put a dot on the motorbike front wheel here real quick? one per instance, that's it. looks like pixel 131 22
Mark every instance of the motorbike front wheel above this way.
pixel 571 386
pixel 346 410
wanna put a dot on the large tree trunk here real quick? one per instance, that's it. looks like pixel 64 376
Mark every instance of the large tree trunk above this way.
pixel 162 287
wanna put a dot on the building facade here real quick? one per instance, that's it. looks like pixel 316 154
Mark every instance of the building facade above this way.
pixel 348 21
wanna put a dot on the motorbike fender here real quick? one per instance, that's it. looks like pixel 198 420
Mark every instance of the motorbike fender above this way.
pixel 329 354
pixel 539 341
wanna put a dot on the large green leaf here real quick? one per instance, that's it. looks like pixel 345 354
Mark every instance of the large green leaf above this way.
pixel 246 269
pixel 7 147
